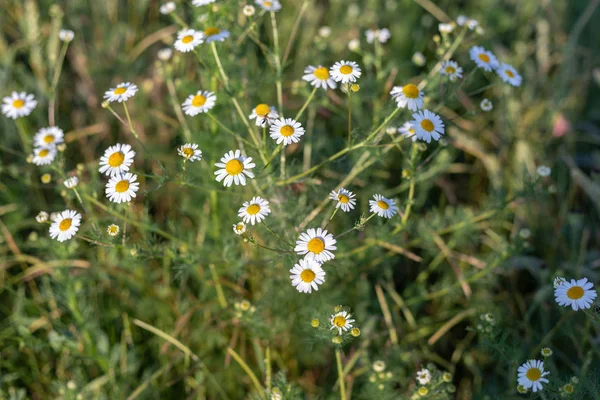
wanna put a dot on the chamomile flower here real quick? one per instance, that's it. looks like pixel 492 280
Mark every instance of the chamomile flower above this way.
pixel 509 74
pixel 48 137
pixel 165 54
pixel 546 352
pixel 381 35
pixel 319 77
pixel 427 125
pixel 451 70
pixel 286 131
pixel 18 105
pixel 307 275
pixel 462 20
pixel 42 217
pixel 200 3
pixel 65 225
pixel 317 244
pixel 249 10
pixel 383 207
pixel 379 366
pixel 235 167
pixel 213 34
pixel 190 152
pixel 445 28
pixel 486 105
pixel 408 96
pixel 543 171
pixel 484 59
pixel 71 182
pixel 345 71
pixel 123 92
pixel 122 188
pixel 531 375
pixel 254 211
pixel 44 155
pixel 558 281
pixel 408 131
pixel 354 45
pixel 113 230
pixel 344 198
pixel 66 35
pixel 264 115
pixel 342 321
pixel 577 294
pixel 239 228
pixel 116 159
pixel 167 8
pixel 269 5
pixel 201 102
pixel 424 376
pixel 188 39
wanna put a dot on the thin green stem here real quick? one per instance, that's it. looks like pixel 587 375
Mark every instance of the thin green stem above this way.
pixel 129 121
pixel 340 369
pixel 56 77
pixel 276 235
pixel 218 287
pixel 349 119
pixel 306 103
pixel 277 61
pixel 23 135
pixel 330 218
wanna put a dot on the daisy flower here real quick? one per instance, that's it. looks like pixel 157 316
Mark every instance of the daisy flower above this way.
pixel 66 35
pixel 212 34
pixel 307 275
pixel 239 228
pixel 167 8
pixel 427 125
pixel 577 294
pixel 383 207
pixel 264 115
pixel 464 20
pixel 451 70
pixel 424 376
pixel 407 131
pixel 65 225
pixel 286 131
pixel 379 366
pixel 234 168
pixel 381 35
pixel 48 137
pixel 201 102
pixel 165 54
pixel 116 159
pixel 317 244
pixel 445 28
pixel 188 39
pixel 190 152
pixel 319 77
pixel 200 3
pixel 345 71
pixel 558 281
pixel 486 105
pixel 248 10
pixel 122 188
pixel 18 105
pixel 408 96
pixel 113 230
pixel 254 211
pixel 42 217
pixel 44 155
pixel 345 199
pixel 531 375
pixel 123 92
pixel 342 321
pixel 71 182
pixel 544 172
pixel 269 5
pixel 509 74
pixel 483 58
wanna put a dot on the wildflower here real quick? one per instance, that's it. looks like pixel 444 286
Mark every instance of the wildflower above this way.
pixel 568 388
pixel 355 332
pixel 354 45
pixel 424 376
pixel 212 34
pixel 71 182
pixel 486 105
pixel 521 389
pixel 167 8
pixel 407 131
pixel 546 352
pixel 190 152
pixel 65 225
pixel 345 71
pixel 489 317
pixel 427 125
pixel 239 228
pixel 112 230
pixel 122 188
pixel 269 5
pixel 525 233
pixel 254 211
pixel 445 28
pixel 451 70
pixel 199 3
pixel 531 375
pixel 18 105
pixel 463 20
pixel 307 275
pixel 383 207
pixel 319 77
pixel 188 39
pixel 509 74
pixel 165 54
pixel 574 380
pixel 276 394
pixel 379 366
pixel 543 171
pixel 342 321
pixel 286 131
pixel 418 59
pixel 245 305
pixel 354 87
pixel 324 31
pixel 558 281
pixel 201 102
pixel 44 155
pixel 577 294
pixel 317 244
pixel 48 136
pixel 116 159
pixel 381 35
pixel 123 92
pixel 315 323
pixel 66 35
pixel 345 199
pixel 41 217
pixel 46 178
pixel 235 167
pixel 447 377
pixel 337 340
pixel 408 96
pixel 248 10
pixel 264 115
pixel 483 58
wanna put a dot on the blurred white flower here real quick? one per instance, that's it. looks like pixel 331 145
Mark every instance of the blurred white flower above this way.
pixel 486 105
pixel 66 35
pixel 543 171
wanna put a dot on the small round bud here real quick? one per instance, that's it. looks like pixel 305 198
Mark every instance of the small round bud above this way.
pixel 46 178
pixel 245 305
pixel 423 391
pixel 105 104
pixel 354 45
pixel 61 147
pixel 355 332
pixel 314 323
pixel 355 87
pixel 379 366
pixel 113 230
pixel 337 340
pixel 249 10
pixel 42 217
pixel 546 352
pixel 447 377
pixel 337 309
pixel 71 385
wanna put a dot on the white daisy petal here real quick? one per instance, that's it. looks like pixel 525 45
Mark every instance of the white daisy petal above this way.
pixel 201 102
pixel 316 244
pixel 484 59
pixel 234 168
pixel 307 275
pixel 188 39
pixel 264 115
pixel 342 321
pixel 18 105
pixel 345 71
pixel 383 207
pixel 254 211
pixel 190 152
pixel 122 188
pixel 344 198
pixel 319 77
pixel 286 131
pixel 427 125
pixel 65 225
pixel 123 92
pixel 116 159
pixel 408 96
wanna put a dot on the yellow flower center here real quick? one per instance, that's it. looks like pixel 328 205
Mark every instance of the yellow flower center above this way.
pixel 65 224
pixel 343 198
pixel 18 103
pixel 382 204
pixel 308 275
pixel 122 186
pixel 316 245
pixel 568 388
pixel 116 159
pixel 346 69
pixel 427 125
pixel 339 321
pixel 253 209
pixel 49 139
pixel 322 74
pixel 484 57
pixel 450 70
pixel 533 374
pixel 188 152
pixel 267 4
pixel 239 227
pixel 211 31
pixel 43 153
pixel 411 130
pixel 187 39
pixel 410 91
pixel 575 293
pixel 234 167
pixel 113 229
pixel 509 73
pixel 198 100
pixel 286 131
pixel 120 90
pixel 262 109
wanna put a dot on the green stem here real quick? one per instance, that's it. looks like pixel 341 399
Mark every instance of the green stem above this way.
pixel 129 121
pixel 330 218
pixel 340 369
pixel 219 288
pixel 57 71
pixel 312 94
pixel 276 235
pixel 23 135
pixel 277 61
pixel 349 119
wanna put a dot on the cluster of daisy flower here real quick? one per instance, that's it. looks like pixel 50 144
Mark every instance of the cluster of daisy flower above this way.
pixel 341 323
pixel 433 382
pixel 380 376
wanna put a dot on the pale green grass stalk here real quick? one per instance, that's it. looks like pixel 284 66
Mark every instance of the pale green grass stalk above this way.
pixel 248 370
pixel 54 84
pixel 340 370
